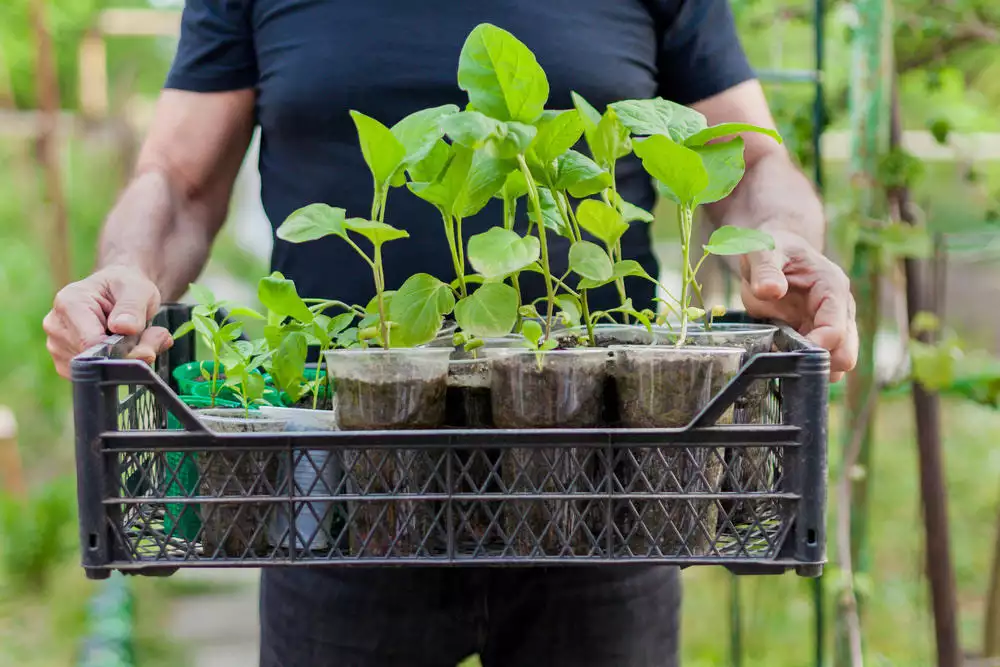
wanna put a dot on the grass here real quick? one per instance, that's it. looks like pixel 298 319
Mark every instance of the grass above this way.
pixel 898 629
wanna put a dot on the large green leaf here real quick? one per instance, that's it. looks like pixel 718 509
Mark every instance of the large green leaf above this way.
pixel 589 260
pixel 313 222
pixel 726 130
pixel 725 166
pixel 729 240
pixel 579 175
pixel 429 168
pixel 489 312
pixel 383 152
pixel 556 135
pixel 679 169
pixel 502 76
pixel 610 140
pixel 472 129
pixel 278 295
pixel 588 114
pixel 498 252
pixel 486 176
pixel 622 269
pixel 659 116
pixel 417 308
pixel 444 191
pixel 421 130
pixel 378 233
pixel 601 220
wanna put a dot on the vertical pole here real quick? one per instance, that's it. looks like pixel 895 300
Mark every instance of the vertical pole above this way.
pixel 819 123
pixel 868 105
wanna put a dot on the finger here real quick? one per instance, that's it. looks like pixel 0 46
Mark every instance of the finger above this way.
pixel 767 276
pixel 59 357
pixel 829 320
pixel 79 318
pixel 845 357
pixel 154 341
pixel 136 300
pixel 836 376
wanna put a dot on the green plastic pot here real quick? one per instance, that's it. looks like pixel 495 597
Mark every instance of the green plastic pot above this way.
pixel 203 390
pixel 185 524
pixel 189 375
pixel 310 375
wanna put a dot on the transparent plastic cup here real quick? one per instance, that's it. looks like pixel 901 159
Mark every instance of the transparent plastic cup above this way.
pixel 666 387
pixel 608 334
pixel 392 389
pixel 235 529
pixel 555 389
pixel 389 389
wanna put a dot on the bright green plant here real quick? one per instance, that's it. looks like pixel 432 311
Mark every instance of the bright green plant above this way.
pixel 216 337
pixel 243 360
pixel 691 172
pixel 36 534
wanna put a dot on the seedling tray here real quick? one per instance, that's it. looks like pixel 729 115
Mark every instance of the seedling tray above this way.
pixel 457 497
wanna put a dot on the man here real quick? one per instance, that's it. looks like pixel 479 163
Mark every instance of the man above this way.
pixel 295 67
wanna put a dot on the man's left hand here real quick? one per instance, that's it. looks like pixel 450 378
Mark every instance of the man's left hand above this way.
pixel 797 284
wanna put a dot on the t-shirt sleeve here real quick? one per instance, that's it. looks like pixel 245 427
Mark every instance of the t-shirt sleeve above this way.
pixel 216 51
pixel 701 54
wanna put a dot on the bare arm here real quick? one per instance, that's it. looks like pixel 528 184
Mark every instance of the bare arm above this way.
pixel 794 282
pixel 164 223
pixel 157 238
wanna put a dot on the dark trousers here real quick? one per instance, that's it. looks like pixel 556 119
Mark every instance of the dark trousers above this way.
pixel 579 616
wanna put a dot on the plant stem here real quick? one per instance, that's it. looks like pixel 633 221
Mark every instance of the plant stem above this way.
pixel 379 289
pixel 566 211
pixel 687 215
pixel 508 223
pixel 586 318
pixel 317 384
pixel 376 200
pixel 460 245
pixel 546 272
pixel 215 373
pixel 449 233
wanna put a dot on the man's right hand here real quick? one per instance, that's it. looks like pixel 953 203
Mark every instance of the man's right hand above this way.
pixel 115 300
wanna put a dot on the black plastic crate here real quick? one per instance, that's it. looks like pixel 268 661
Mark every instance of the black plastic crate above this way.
pixel 751 497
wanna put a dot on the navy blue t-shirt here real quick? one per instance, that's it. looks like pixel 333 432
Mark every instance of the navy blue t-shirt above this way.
pixel 311 61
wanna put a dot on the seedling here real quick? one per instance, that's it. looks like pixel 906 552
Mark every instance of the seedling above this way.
pixel 243 360
pixel 216 337
pixel 691 172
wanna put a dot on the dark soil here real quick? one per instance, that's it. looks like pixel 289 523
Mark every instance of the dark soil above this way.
pixel 525 396
pixel 306 402
pixel 238 474
pixel 403 404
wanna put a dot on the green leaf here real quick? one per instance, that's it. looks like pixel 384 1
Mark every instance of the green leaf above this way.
pixel 933 365
pixel 420 132
pixel 622 269
pixel 430 167
pixel 570 307
pixel 378 233
pixel 629 211
pixel 244 312
pixel 727 130
pixel 589 260
pixel 498 252
pixel 231 331
pixel 202 294
pixel 514 187
pixel 417 308
pixel 288 365
pixel 532 332
pixel 313 222
pixel 610 140
pixel 659 116
pixel 725 166
pixel 445 190
pixel 490 311
pixel 502 76
pixel 339 323
pixel 472 129
pixel 679 169
pixel 557 134
pixel 601 220
pixel 900 240
pixel 551 217
pixel 729 240
pixel 183 330
pixel 579 175
pixel 515 140
pixel 279 296
pixel 383 152
pixel 486 176
pixel 588 114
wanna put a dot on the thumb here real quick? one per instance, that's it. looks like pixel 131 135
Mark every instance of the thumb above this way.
pixel 135 299
pixel 766 275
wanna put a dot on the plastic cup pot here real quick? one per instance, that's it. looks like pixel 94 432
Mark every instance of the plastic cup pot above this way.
pixel 662 386
pixel 396 389
pixel 548 390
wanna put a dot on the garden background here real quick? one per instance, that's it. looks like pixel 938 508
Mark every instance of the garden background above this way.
pixel 109 63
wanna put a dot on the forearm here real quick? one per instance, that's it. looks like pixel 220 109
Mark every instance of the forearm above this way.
pixel 158 231
pixel 774 196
